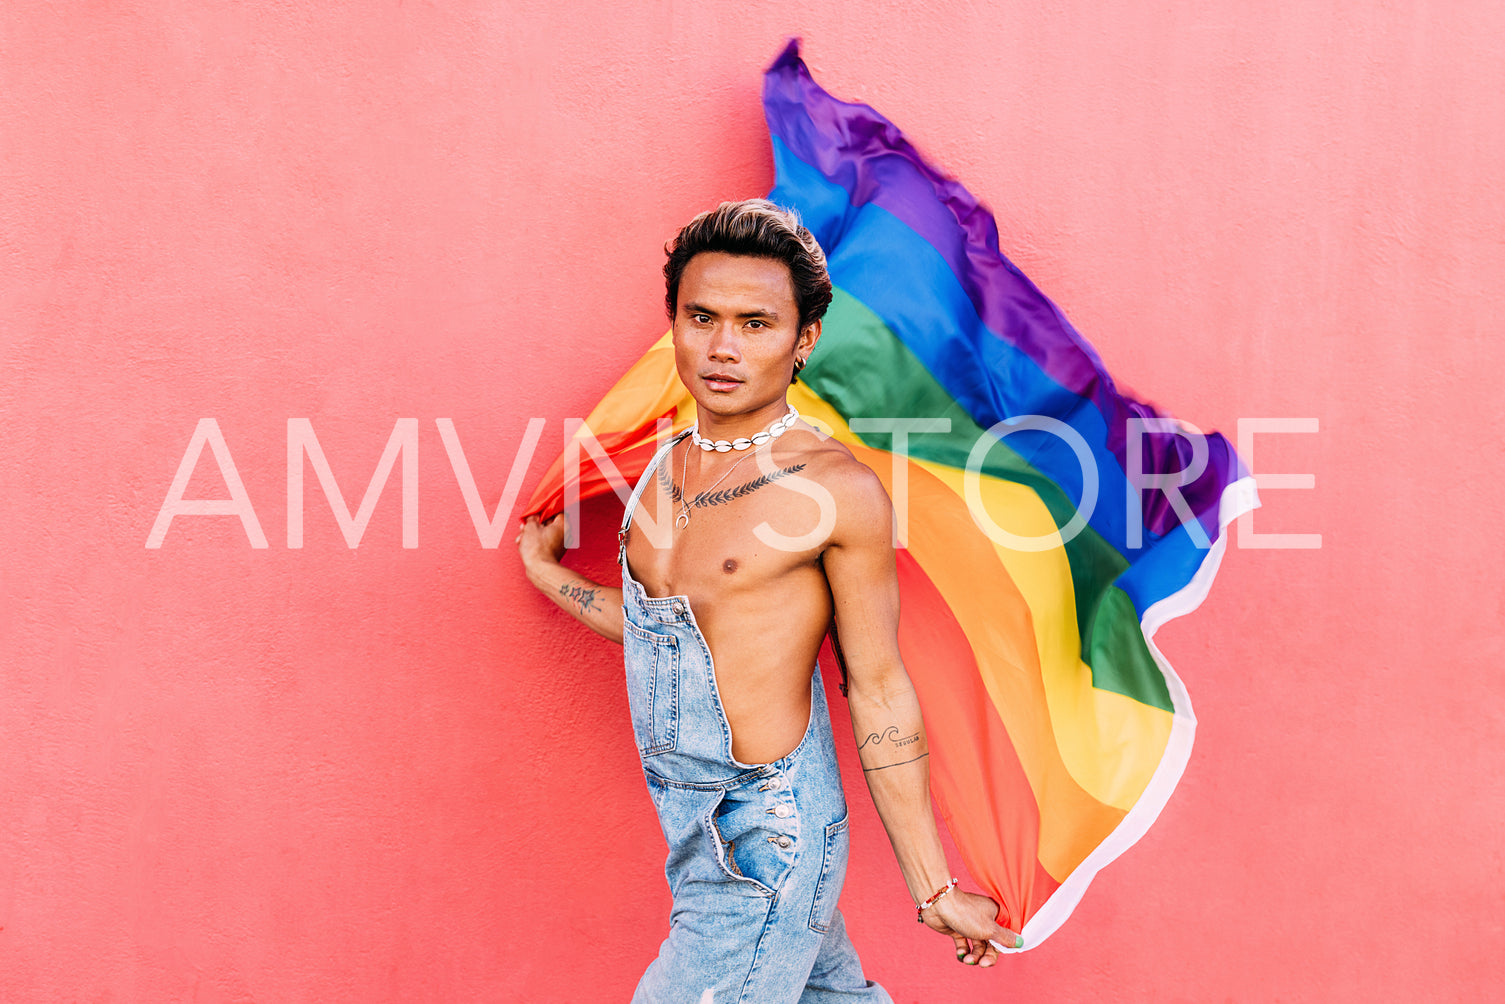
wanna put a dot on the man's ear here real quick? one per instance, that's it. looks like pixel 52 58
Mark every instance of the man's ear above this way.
pixel 805 343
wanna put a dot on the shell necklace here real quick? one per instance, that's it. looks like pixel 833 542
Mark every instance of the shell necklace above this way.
pixel 773 432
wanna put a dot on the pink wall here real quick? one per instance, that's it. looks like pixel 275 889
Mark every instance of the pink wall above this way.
pixel 387 774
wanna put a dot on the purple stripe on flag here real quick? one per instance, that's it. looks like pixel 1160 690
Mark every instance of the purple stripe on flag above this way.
pixel 857 148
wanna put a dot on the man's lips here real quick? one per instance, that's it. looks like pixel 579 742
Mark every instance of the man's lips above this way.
pixel 720 381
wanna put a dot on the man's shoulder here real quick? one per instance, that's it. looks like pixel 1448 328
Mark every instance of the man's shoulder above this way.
pixel 856 489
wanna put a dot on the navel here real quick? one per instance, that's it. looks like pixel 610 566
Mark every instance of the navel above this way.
pixel 729 565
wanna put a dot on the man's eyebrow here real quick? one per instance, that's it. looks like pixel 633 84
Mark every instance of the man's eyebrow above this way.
pixel 768 312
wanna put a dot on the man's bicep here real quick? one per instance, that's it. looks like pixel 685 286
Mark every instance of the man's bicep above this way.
pixel 864 584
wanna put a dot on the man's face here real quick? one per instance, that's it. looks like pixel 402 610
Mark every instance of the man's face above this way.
pixel 737 332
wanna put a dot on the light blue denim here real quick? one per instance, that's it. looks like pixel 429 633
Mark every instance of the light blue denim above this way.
pixel 757 852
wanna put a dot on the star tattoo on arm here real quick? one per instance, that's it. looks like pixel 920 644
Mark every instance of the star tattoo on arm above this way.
pixel 582 597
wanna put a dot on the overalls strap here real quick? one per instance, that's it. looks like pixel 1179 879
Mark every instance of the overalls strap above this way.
pixel 643 483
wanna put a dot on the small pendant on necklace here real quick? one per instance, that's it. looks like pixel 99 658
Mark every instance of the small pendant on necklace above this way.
pixel 683 519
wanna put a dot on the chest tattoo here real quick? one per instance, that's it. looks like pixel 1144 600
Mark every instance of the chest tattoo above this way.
pixel 724 495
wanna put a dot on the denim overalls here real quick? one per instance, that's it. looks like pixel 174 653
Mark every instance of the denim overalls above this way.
pixel 757 852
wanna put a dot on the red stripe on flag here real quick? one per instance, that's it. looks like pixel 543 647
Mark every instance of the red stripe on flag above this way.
pixel 548 497
pixel 974 766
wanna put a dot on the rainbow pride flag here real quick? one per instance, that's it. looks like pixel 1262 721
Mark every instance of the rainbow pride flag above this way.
pixel 1057 729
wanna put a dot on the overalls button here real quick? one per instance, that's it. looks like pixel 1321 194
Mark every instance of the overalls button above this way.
pixel 785 841
pixel 679 609
pixel 782 811
pixel 774 785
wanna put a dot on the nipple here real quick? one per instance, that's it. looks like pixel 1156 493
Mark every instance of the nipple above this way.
pixel 729 565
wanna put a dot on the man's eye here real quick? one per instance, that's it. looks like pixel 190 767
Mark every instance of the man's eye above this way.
pixel 700 318
pixel 755 325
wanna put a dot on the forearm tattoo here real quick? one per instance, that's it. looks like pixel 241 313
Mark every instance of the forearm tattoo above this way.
pixel 890 737
pixel 890 742
pixel 886 766
pixel 583 598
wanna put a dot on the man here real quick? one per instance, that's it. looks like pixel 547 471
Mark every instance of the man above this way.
pixel 732 573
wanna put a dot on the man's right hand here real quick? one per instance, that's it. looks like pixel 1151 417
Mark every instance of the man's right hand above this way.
pixel 540 543
pixel 598 607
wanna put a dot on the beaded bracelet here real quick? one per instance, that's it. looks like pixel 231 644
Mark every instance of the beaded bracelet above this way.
pixel 920 908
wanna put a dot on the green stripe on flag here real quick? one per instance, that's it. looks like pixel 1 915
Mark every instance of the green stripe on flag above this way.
pixel 891 382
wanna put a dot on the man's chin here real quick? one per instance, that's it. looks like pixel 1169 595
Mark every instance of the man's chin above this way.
pixel 731 404
pixel 720 402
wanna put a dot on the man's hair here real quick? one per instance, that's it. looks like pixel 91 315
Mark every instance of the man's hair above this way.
pixel 756 228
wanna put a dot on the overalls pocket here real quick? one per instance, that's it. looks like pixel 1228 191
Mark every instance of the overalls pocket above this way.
pixel 652 662
pixel 756 846
pixel 833 872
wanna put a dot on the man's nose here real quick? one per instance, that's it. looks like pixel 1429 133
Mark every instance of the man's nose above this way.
pixel 723 343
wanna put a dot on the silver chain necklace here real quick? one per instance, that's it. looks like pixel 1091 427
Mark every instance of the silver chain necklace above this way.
pixel 683 519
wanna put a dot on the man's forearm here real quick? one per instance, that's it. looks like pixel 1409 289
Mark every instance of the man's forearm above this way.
pixel 596 606
pixel 895 756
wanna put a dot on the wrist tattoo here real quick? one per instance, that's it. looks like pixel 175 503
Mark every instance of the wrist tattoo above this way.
pixel 886 766
pixel 581 596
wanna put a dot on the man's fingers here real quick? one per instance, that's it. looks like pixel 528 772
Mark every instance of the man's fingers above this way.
pixel 981 953
pixel 961 946
pixel 1007 939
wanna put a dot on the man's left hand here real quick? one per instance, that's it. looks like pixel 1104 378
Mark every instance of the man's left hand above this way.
pixel 971 922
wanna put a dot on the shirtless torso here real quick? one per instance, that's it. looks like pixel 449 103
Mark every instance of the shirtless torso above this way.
pixel 750 562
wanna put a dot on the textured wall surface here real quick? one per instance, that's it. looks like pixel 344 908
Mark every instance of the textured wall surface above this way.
pixel 389 774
